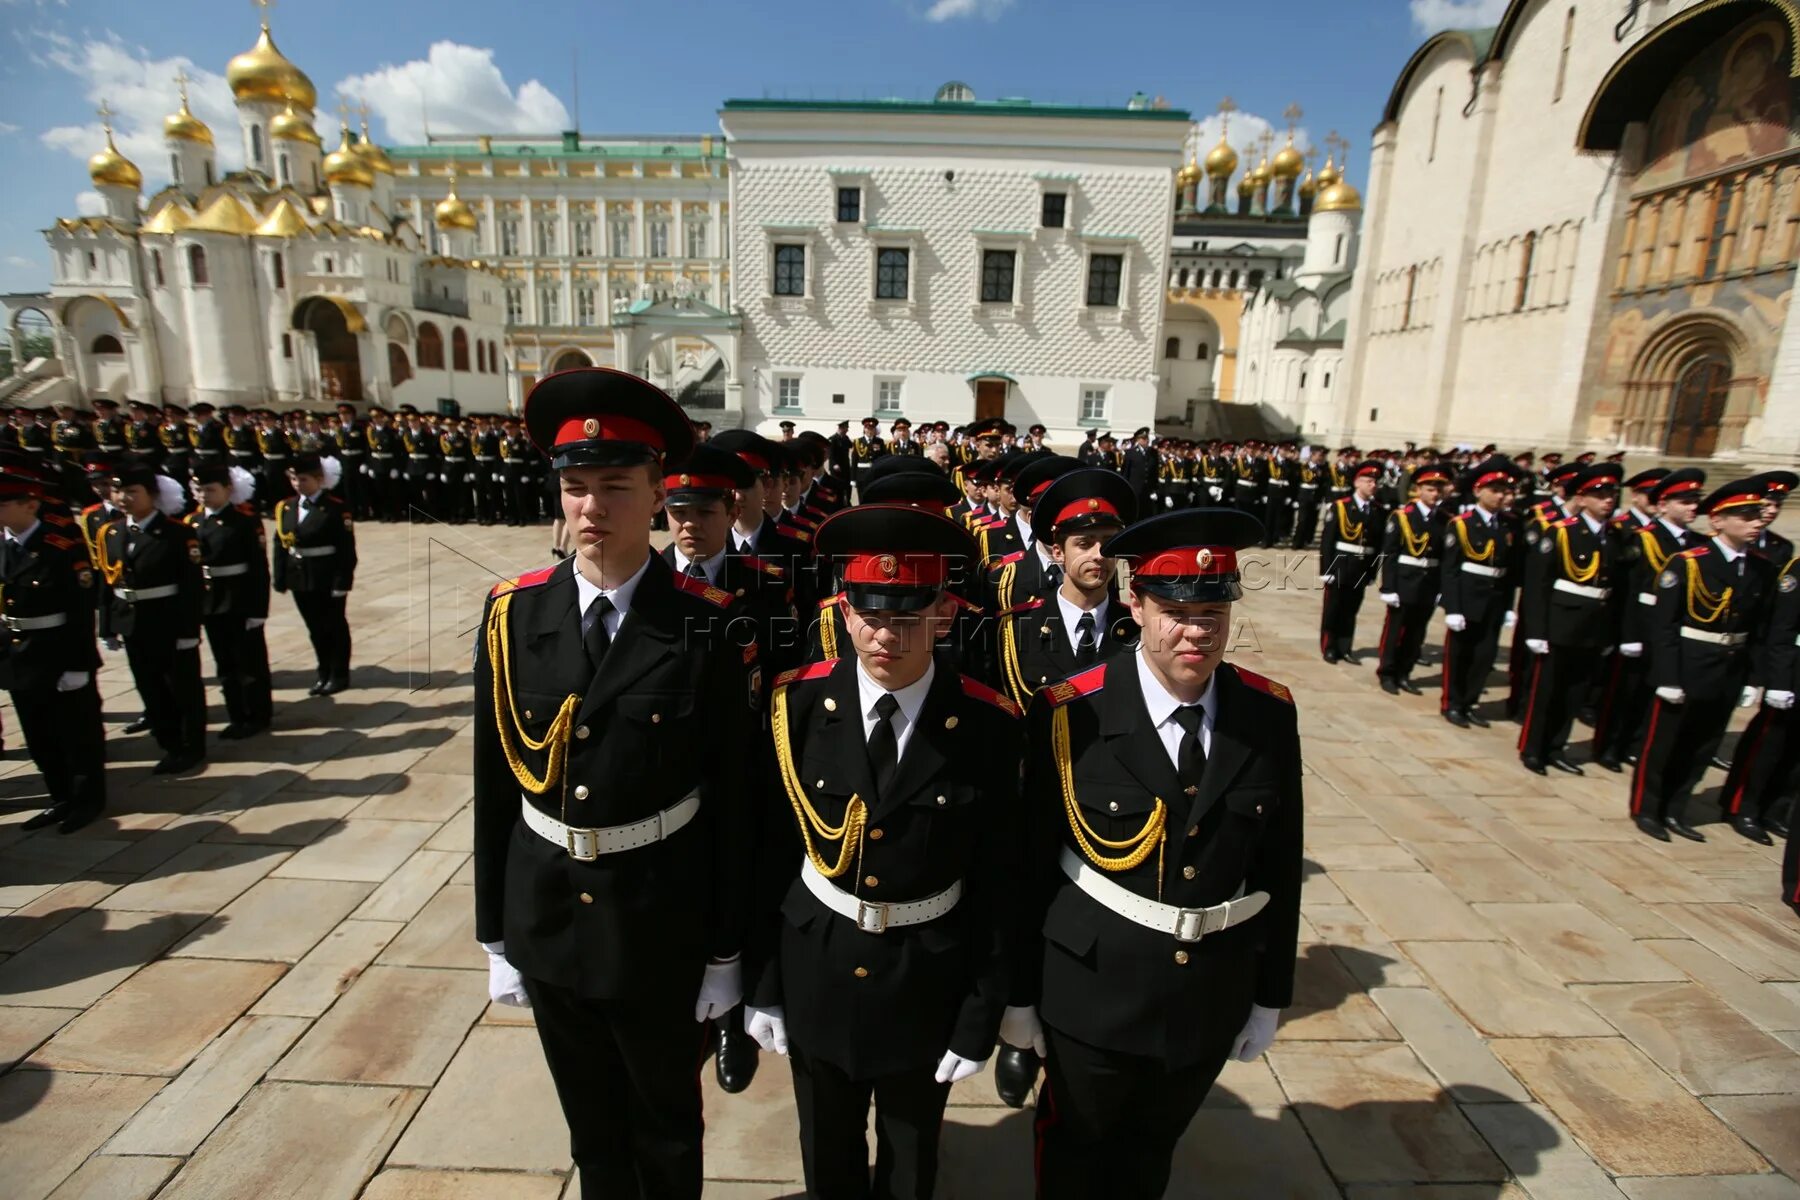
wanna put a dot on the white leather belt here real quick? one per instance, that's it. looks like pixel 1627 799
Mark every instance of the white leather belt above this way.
pixel 225 571
pixel 243 454
pixel 1407 560
pixel 1353 548
pixel 1577 589
pixel 1183 924
pixel 1647 598
pixel 588 844
pixel 487 458
pixel 416 454
pixel 455 458
pixel 313 551
pixel 383 454
pixel 27 624
pixel 1478 569
pixel 1308 487
pixel 873 916
pixel 347 451
pixel 161 591
pixel 1717 639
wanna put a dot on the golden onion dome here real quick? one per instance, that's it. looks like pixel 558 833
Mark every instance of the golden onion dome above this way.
pixel 293 125
pixel 1328 174
pixel 344 165
pixel 1188 174
pixel 1288 163
pixel 1222 161
pixel 114 169
pixel 264 73
pixel 1309 187
pixel 452 213
pixel 1260 172
pixel 185 126
pixel 1339 197
pixel 1247 185
pixel 373 156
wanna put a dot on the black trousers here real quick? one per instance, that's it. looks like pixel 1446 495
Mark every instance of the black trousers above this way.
pixel 834 1115
pixel 66 740
pixel 1469 660
pixel 1624 707
pixel 1337 620
pixel 241 657
pixel 387 493
pixel 1306 522
pixel 458 493
pixel 1556 684
pixel 1764 770
pixel 1277 512
pixel 1790 872
pixel 628 1076
pixel 1679 742
pixel 329 630
pixel 168 682
pixel 1107 1123
pixel 1402 637
pixel 421 495
pixel 353 488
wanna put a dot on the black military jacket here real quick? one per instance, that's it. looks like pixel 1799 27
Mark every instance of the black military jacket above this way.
pixel 1418 540
pixel 421 452
pixel 162 553
pixel 1728 605
pixel 1476 591
pixel 1034 643
pixel 314 553
pixel 1780 665
pixel 1349 540
pixel 765 608
pixel 878 1003
pixel 48 577
pixel 670 711
pixel 1584 612
pixel 208 441
pixel 1108 981
pixel 866 450
pixel 232 559
pixel 386 451
pixel 1016 578
pixel 1001 539
pixel 244 446
pixel 1644 551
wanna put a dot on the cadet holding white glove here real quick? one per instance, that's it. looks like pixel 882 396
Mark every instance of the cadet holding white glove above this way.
pixel 505 984
pixel 1258 1034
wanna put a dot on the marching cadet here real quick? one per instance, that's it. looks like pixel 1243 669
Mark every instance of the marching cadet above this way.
pixel 177 447
pixel 1250 476
pixel 1555 503
pixel 1705 640
pixel 387 461
pixel 516 457
pixel 1025 573
pixel 1164 822
pixel 141 434
pixel 1412 553
pixel 109 427
pixel 1641 512
pixel 422 466
pixel 1314 474
pixel 1761 781
pixel 887 973
pixel 314 558
pixel 490 475
pixel 1775 486
pixel 1480 572
pixel 236 607
pixel 150 563
pixel 72 437
pixel 1280 493
pixel 350 445
pixel 1078 622
pixel 613 720
pixel 241 447
pixel 458 471
pixel 1347 548
pixel 272 453
pixel 1570 615
pixel 48 658
pixel 865 450
pixel 207 437
pixel 753 530
pixel 1644 551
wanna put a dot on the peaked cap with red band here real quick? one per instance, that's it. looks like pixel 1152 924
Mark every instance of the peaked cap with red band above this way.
pixel 1645 481
pixel 1495 471
pixel 602 417
pixel 1082 499
pixel 1431 473
pixel 1594 477
pixel 1188 556
pixel 907 479
pixel 707 472
pixel 1368 466
pixel 1775 485
pixel 1039 472
pixel 1675 485
pixel 757 451
pixel 1739 493
pixel 893 557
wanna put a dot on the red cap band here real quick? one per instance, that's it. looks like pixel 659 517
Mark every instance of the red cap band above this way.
pixel 1603 481
pixel 1088 506
pixel 1040 489
pixel 1736 501
pixel 1371 469
pixel 689 480
pixel 897 570
pixel 1681 489
pixel 608 427
pixel 1185 562
pixel 1492 477
pixel 1433 476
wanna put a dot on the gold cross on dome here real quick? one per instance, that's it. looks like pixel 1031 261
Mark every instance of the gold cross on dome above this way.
pixel 1293 114
pixel 105 113
pixel 181 82
pixel 265 6
pixel 362 110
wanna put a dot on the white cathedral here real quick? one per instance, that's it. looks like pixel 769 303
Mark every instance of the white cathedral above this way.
pixel 292 283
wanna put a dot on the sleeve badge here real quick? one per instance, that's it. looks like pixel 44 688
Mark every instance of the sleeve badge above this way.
pixel 1789 583
pixel 194 551
pixel 1543 545
pixel 1667 579
pixel 84 578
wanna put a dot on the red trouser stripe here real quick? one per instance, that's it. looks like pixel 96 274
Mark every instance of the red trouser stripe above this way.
pixel 1444 691
pixel 1387 624
pixel 1040 1128
pixel 1736 803
pixel 1643 762
pixel 1537 667
pixel 1325 623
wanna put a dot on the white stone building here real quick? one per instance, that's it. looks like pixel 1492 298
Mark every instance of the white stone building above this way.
pixel 1582 232
pixel 950 260
pixel 292 282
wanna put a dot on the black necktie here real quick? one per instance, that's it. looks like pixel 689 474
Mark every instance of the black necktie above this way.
pixel 1053 575
pixel 7 553
pixel 596 640
pixel 884 744
pixel 1087 649
pixel 695 571
pixel 1190 758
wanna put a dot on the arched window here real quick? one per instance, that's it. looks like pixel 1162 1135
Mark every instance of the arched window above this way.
pixel 197 265
pixel 1202 352
pixel 282 169
pixel 1172 348
pixel 1181 280
pixel 256 144
pixel 1522 291
pixel 431 347
pixel 459 349
pixel 1256 278
pixel 399 368
pixel 1234 278
pixel 481 358
pixel 106 343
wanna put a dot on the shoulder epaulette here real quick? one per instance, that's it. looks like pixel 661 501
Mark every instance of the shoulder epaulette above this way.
pixel 96 506
pixel 964 603
pixel 981 691
pixel 830 601
pixel 1084 683
pixel 1015 556
pixel 767 568
pixel 1264 684
pixel 59 541
pixel 718 597
pixel 1461 516
pixel 1015 610
pixel 1692 552
pixel 527 580
pixel 1565 523
pixel 50 516
pixel 818 670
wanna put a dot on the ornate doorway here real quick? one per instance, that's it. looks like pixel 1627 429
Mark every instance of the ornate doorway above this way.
pixel 1702 389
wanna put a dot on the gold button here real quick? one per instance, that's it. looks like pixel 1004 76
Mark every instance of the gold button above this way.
pixel 1194 832
pixel 1187 872
pixel 830 704
pixel 862 972
pixel 528 714
pixel 581 792
pixel 1181 958
pixel 1112 806
pixel 871 881
pixel 942 801
pixel 875 835
pixel 1259 810
pixel 581 731
pixel 656 718
pixel 586 899
pixel 949 722
pixel 1191 790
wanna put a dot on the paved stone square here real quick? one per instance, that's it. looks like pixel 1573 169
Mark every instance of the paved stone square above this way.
pixel 260 980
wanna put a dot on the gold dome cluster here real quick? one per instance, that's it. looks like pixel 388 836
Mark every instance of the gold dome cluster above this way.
pixel 109 167
pixel 293 125
pixel 453 213
pixel 264 73
pixel 373 156
pixel 183 125
pixel 345 165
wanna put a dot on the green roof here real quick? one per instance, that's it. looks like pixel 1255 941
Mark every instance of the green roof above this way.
pixel 980 108
pixel 499 147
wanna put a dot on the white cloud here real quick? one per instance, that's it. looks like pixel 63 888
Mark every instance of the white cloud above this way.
pixel 90 204
pixel 457 89
pixel 954 10
pixel 8 127
pixel 20 263
pixel 1434 16
pixel 1243 133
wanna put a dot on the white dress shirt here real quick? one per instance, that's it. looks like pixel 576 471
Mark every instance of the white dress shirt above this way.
pixel 712 566
pixel 746 542
pixel 911 699
pixel 586 593
pixel 1672 527
pixel 1024 526
pixel 1597 528
pixel 1162 708
pixel 1072 615
pixel 1044 558
pixel 19 539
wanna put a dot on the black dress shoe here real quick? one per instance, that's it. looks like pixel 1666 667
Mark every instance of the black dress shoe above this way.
pixel 50 816
pixel 1747 827
pixel 1352 660
pixel 1650 827
pixel 1332 656
pixel 1680 828
pixel 1475 718
pixel 736 1062
pixel 334 685
pixel 1457 717
pixel 178 761
pixel 1776 826
pixel 77 818
pixel 1562 764
pixel 1015 1070
pixel 1607 762
pixel 1389 686
pixel 1411 688
pixel 140 725
pixel 318 687
pixel 1531 764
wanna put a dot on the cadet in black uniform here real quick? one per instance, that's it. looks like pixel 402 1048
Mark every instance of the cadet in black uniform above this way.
pixel 422 468
pixel 458 471
pixel 350 445
pixel 613 723
pixel 47 653
pixel 1412 553
pixel 1775 485
pixel 1480 573
pixel 141 434
pixel 887 974
pixel 150 563
pixel 1164 821
pixel 72 437
pixel 1705 656
pixel 387 464
pixel 109 428
pixel 1763 773
pixel 490 474
pixel 241 447
pixel 177 446
pixel 314 558
pixel 1022 574
pixel 1348 546
pixel 237 596
pixel 865 450
pixel 207 437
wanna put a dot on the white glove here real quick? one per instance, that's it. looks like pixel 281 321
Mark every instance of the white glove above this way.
pixel 112 643
pixel 1671 695
pixel 339 595
pixel 70 681
pixel 1456 622
pixel 1391 599
pixel 720 989
pixel 1632 649
pixel 954 1068
pixel 1512 618
pixel 255 622
pixel 1537 645
pixel 505 984
pixel 1777 699
pixel 1750 697
pixel 1258 1034
pixel 1020 1027
pixel 187 643
pixel 767 1027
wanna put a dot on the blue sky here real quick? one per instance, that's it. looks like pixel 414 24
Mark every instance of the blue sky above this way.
pixel 664 68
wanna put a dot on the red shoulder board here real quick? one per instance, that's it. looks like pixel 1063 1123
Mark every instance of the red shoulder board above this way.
pixel 1085 683
pixel 1015 556
pixel 94 507
pixel 818 670
pixel 527 580
pixel 1565 523
pixel 829 601
pixel 964 604
pixel 1692 552
pixel 1264 684
pixel 52 516
pixel 1015 610
pixel 1461 516
pixel 767 568
pixel 981 691
pixel 794 531
pixel 718 597
pixel 59 541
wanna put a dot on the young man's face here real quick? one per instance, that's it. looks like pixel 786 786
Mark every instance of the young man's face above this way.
pixel 1082 563
pixel 601 503
pixel 1739 525
pixel 897 645
pixel 307 483
pixel 1599 504
pixel 1431 493
pixel 1679 510
pixel 214 495
pixel 17 513
pixel 1365 487
pixel 791 487
pixel 1183 641
pixel 136 500
pixel 701 525
pixel 1491 498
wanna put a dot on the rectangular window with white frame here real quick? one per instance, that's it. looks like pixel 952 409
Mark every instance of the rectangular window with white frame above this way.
pixel 509 237
pixel 893 273
pixel 890 395
pixel 584 306
pixel 790 269
pixel 998 271
pixel 515 306
pixel 696 239
pixel 849 205
pixel 787 393
pixel 584 238
pixel 659 239
pixel 1106 274
pixel 549 306
pixel 621 238
pixel 1095 400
